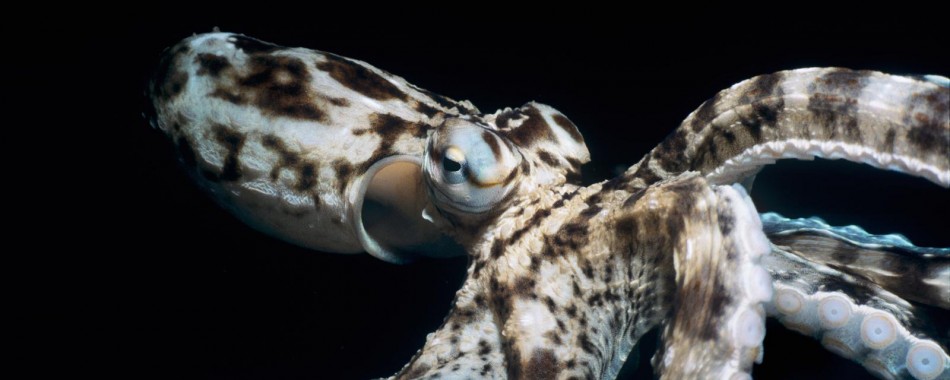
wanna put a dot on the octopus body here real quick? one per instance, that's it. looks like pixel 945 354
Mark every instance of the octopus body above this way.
pixel 333 154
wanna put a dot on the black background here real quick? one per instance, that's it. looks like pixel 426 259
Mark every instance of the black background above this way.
pixel 129 270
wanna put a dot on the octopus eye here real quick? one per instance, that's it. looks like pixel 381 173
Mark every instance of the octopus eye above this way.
pixel 469 168
pixel 453 165
pixel 450 165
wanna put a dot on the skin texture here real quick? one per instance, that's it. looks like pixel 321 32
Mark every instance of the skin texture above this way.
pixel 511 316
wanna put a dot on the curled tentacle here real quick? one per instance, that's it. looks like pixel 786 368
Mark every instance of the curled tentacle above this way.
pixel 856 319
pixel 891 122
pixel 891 261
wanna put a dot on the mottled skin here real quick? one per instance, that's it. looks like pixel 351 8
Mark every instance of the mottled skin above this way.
pixel 564 279
pixel 562 294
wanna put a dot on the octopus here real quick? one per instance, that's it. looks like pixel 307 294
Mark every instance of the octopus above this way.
pixel 564 278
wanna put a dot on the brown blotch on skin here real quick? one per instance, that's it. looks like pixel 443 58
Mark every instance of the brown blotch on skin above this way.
pixel 232 142
pixel 764 114
pixel 837 115
pixel 569 126
pixel 511 177
pixel 344 172
pixel 571 309
pixel 583 340
pixel 535 263
pixel 548 158
pixel 705 113
pixel 170 80
pixel 542 365
pixel 928 129
pixel 492 143
pixel 513 358
pixel 549 302
pixel 306 176
pixel 524 286
pixel 672 152
pixel 480 301
pixel 588 271
pixel 390 129
pixel 359 78
pixel 574 172
pixel 645 173
pixel 842 81
pixel 531 130
pixel 834 102
pixel 572 236
pixel 483 347
pixel 485 369
pixel 525 167
pixel 307 172
pixel 720 144
pixel 176 84
pixel 503 120
pixel 726 223
pixel 595 299
pixel 497 249
pixel 531 224
pixel 590 211
pixel 280 87
pixel 632 199
pixel 425 109
pixel 929 138
pixel 763 86
pixel 339 102
pixel 210 64
pixel 889 137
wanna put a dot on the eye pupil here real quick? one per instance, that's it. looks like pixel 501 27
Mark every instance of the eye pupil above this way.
pixel 450 166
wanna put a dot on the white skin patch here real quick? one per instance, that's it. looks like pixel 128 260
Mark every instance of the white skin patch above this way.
pixel 533 321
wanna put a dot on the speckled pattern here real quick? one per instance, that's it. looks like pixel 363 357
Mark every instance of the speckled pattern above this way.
pixel 563 278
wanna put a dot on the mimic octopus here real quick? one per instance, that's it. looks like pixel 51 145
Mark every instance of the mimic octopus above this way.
pixel 333 154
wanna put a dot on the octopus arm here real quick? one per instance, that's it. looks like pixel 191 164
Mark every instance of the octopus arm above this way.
pixel 887 121
pixel 918 274
pixel 466 346
pixel 717 323
pixel 856 318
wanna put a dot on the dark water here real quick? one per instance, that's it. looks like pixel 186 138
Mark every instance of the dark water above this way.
pixel 146 277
